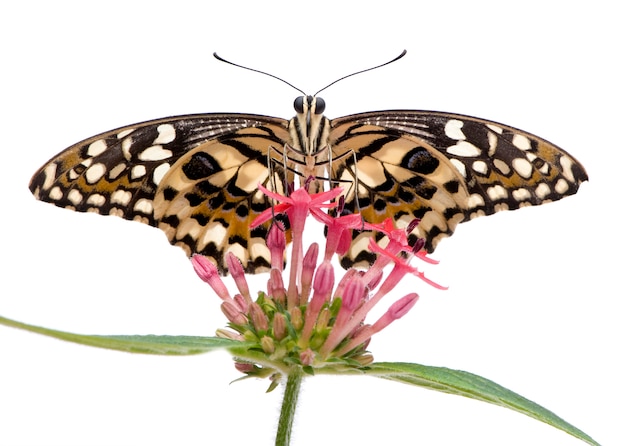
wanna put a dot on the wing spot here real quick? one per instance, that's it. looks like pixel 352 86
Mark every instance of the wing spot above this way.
pixel 127 143
pixel 96 200
pixel 117 171
pixel 138 171
pixel 124 133
pixel 95 172
pixel 495 128
pixel 155 153
pixel 480 167
pixel 121 196
pixel 567 163
pixel 167 134
pixel 465 149
pixel 96 147
pixel 523 167
pixel 561 186
pixel 542 190
pixel 75 197
pixel 144 206
pixel 453 129
pixel 521 194
pixel 159 172
pixel 521 142
pixel 502 167
pixel 49 176
pixel 56 193
pixel 475 201
pixel 496 192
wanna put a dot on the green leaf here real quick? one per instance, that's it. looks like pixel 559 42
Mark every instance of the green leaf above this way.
pixel 148 344
pixel 473 386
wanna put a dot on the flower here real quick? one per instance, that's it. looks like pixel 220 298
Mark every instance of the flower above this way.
pixel 307 321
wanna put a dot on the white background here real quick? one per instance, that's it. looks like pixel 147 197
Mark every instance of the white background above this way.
pixel 536 296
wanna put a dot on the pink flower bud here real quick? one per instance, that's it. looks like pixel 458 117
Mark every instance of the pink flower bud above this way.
pixel 279 326
pixel 276 243
pixel 233 314
pixel 208 272
pixel 236 271
pixel 308 268
pixel 307 357
pixel 258 318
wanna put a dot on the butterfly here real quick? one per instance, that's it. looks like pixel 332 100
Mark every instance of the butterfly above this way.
pixel 196 177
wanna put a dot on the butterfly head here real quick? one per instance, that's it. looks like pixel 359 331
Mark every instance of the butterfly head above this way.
pixel 309 127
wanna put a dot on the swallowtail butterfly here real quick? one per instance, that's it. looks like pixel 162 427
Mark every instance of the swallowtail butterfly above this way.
pixel 195 177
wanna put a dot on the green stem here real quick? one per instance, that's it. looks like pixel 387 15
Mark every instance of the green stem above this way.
pixel 288 410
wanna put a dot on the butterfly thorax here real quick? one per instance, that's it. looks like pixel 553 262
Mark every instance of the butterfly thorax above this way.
pixel 309 131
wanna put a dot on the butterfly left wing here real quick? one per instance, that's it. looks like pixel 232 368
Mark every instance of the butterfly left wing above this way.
pixel 127 172
pixel 443 169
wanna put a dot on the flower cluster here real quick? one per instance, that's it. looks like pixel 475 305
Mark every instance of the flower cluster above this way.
pixel 307 320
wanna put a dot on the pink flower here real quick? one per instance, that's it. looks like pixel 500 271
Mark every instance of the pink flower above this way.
pixel 313 322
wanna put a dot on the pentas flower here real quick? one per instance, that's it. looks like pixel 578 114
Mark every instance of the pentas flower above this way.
pixel 307 321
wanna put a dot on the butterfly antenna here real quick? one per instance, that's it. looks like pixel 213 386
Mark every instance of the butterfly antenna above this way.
pixel 402 54
pixel 221 59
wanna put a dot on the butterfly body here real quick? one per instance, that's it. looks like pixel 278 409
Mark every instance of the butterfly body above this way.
pixel 195 177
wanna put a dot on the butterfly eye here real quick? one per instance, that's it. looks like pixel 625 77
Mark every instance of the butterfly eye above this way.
pixel 298 104
pixel 320 106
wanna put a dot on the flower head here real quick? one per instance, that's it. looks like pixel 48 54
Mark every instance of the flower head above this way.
pixel 307 320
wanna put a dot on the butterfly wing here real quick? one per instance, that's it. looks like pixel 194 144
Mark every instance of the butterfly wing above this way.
pixel 147 171
pixel 443 169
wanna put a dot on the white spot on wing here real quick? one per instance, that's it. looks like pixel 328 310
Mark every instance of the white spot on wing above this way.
pixel 167 133
pixel 117 171
pixel 126 145
pixel 567 163
pixel 56 193
pixel 143 205
pixel 138 171
pixel 502 166
pixel 464 148
pixel 475 200
pixel 496 192
pixel 75 197
pixel 521 194
pixel 521 142
pixel 96 147
pixel 96 200
pixel 453 129
pixel 155 153
pixel 561 186
pixel 50 173
pixel 95 172
pixel 124 133
pixel 523 167
pixel 157 174
pixel 121 197
pixel 542 190
pixel 480 167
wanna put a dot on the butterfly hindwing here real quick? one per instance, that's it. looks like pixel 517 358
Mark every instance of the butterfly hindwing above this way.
pixel 208 198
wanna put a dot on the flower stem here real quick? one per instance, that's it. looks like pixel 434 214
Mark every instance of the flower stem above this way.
pixel 288 410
